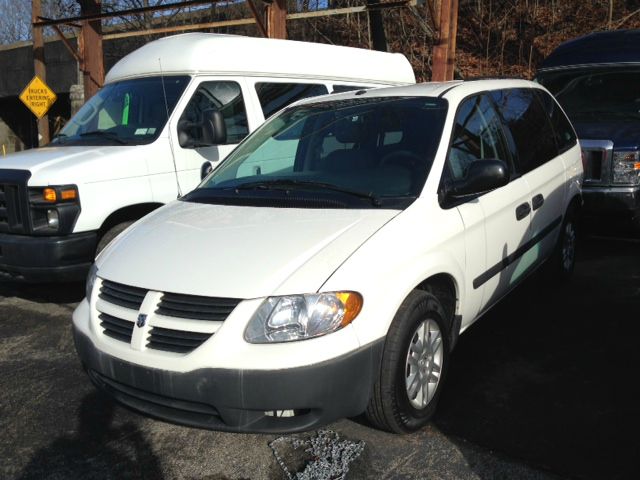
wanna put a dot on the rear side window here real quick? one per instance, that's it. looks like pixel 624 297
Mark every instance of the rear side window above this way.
pixel 225 97
pixel 477 135
pixel 347 88
pixel 564 134
pixel 533 138
pixel 275 96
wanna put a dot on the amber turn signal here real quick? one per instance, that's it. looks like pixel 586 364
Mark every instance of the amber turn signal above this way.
pixel 49 195
pixel 68 194
pixel 352 302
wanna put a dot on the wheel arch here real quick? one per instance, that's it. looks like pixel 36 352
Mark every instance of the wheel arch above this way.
pixel 126 214
pixel 445 288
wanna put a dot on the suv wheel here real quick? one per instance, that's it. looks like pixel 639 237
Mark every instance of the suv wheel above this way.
pixel 414 364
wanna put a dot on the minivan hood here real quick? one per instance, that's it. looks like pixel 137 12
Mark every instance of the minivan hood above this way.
pixel 624 135
pixel 49 165
pixel 237 252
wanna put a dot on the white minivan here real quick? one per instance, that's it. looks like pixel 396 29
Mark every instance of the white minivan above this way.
pixel 147 137
pixel 327 266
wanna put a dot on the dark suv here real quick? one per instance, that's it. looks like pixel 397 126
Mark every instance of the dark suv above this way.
pixel 596 78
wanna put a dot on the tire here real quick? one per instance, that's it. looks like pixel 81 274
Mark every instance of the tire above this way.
pixel 110 234
pixel 563 260
pixel 400 401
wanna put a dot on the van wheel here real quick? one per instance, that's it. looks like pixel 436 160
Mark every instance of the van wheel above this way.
pixel 564 258
pixel 414 363
pixel 110 234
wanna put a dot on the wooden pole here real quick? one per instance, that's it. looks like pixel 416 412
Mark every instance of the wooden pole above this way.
pixel 90 48
pixel 453 34
pixel 277 19
pixel 39 67
pixel 444 52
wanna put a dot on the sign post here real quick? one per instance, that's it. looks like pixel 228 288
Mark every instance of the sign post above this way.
pixel 38 97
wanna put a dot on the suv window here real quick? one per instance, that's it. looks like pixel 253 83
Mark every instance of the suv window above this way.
pixel 477 135
pixel 563 131
pixel 275 96
pixel 529 124
pixel 225 97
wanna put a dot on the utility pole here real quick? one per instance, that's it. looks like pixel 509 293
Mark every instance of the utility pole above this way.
pixel 277 19
pixel 444 52
pixel 90 48
pixel 39 66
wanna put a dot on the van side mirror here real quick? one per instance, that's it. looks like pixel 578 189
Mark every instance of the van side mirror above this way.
pixel 214 130
pixel 482 176
pixel 210 130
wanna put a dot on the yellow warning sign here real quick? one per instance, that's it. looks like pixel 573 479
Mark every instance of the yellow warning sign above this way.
pixel 38 97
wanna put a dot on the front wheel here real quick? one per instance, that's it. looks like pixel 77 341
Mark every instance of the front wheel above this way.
pixel 564 258
pixel 414 364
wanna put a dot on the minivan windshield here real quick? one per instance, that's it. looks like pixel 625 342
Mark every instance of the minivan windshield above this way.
pixel 596 94
pixel 353 153
pixel 129 112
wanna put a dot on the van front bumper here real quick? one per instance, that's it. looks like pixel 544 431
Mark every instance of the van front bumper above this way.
pixel 45 259
pixel 239 400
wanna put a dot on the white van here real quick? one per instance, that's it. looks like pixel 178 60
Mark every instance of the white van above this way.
pixel 146 138
pixel 327 267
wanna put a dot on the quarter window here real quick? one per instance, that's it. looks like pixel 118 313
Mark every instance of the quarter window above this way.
pixel 477 135
pixel 533 138
pixel 225 97
pixel 564 133
pixel 275 96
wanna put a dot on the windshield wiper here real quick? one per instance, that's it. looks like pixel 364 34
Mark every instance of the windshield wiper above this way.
pixel 104 133
pixel 283 184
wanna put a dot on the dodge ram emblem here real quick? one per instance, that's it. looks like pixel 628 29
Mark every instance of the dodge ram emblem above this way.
pixel 142 319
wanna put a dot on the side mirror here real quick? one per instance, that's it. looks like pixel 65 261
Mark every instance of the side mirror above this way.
pixel 482 176
pixel 214 131
pixel 205 169
pixel 210 130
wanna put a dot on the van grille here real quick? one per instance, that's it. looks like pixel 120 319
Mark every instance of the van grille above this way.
pixel 122 295
pixel 10 215
pixel 177 341
pixel 116 328
pixel 194 307
pixel 180 323
pixel 596 161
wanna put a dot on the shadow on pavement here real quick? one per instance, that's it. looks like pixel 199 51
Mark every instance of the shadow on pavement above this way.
pixel 44 292
pixel 548 376
pixel 97 450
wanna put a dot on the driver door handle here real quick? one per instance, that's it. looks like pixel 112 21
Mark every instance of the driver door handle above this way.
pixel 523 210
pixel 537 201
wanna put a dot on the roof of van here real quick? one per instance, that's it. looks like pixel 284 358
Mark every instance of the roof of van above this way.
pixel 618 46
pixel 239 55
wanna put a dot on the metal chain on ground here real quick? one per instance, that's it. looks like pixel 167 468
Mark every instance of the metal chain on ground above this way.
pixel 330 456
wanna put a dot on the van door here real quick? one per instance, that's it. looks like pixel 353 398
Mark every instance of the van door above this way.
pixel 225 94
pixel 496 224
pixel 538 161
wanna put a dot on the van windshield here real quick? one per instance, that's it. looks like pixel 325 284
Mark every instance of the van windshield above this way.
pixel 353 153
pixel 597 94
pixel 130 112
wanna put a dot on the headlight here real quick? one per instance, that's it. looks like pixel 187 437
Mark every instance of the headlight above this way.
pixel 626 167
pixel 54 210
pixel 298 317
pixel 91 280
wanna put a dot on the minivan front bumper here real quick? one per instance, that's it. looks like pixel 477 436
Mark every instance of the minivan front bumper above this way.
pixel 43 259
pixel 239 400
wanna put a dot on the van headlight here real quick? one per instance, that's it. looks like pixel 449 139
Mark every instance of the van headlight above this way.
pixel 54 209
pixel 91 280
pixel 298 317
pixel 626 167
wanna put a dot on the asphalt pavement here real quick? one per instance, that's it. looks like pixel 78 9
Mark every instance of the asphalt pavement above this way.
pixel 542 387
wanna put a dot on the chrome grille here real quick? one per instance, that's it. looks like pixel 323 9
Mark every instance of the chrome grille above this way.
pixel 195 307
pixel 178 341
pixel 116 328
pixel 10 216
pixel 122 295
pixel 597 161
